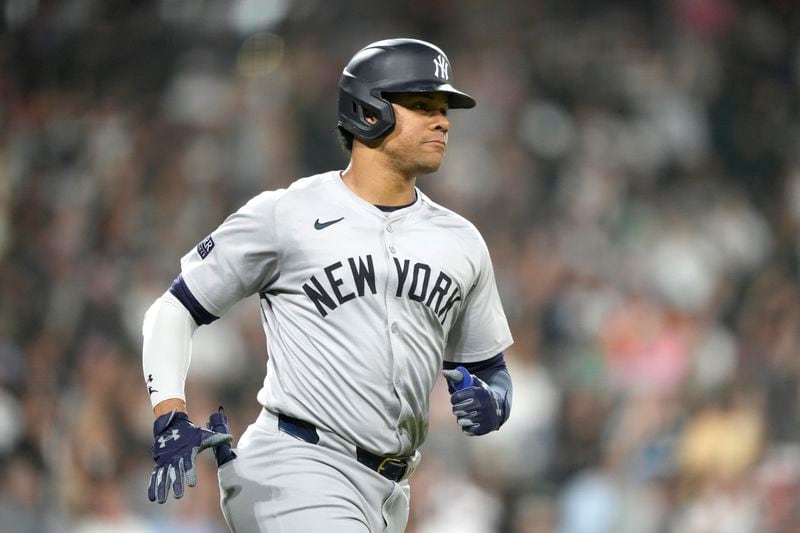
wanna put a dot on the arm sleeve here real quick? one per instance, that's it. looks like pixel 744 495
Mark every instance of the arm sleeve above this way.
pixel 482 329
pixel 238 259
pixel 499 380
pixel 168 328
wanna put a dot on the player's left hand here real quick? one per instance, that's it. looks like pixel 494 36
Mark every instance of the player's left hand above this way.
pixel 477 407
pixel 177 443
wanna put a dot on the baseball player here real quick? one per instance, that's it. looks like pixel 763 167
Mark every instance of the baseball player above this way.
pixel 368 290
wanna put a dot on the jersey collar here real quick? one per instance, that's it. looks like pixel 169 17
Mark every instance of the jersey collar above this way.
pixel 401 212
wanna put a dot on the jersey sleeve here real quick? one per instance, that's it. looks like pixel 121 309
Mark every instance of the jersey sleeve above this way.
pixel 481 330
pixel 238 259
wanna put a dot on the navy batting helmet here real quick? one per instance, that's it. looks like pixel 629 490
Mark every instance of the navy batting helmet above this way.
pixel 392 66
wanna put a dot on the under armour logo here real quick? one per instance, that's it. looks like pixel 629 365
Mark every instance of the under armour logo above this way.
pixel 163 439
pixel 150 390
pixel 441 67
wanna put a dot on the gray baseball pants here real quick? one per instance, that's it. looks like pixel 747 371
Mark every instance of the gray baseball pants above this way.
pixel 280 484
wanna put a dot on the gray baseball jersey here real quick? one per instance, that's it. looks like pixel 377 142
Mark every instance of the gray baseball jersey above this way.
pixel 359 306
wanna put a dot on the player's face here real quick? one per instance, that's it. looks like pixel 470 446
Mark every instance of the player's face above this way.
pixel 418 141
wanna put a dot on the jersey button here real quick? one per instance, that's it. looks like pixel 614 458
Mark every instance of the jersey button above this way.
pixel 389 228
pixel 391 249
pixel 395 327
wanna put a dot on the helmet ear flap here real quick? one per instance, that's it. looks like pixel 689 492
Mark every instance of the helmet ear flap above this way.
pixel 355 100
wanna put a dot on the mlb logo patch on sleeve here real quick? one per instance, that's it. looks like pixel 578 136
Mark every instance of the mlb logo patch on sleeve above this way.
pixel 205 247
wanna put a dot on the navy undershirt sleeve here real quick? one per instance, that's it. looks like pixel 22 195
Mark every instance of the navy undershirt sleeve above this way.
pixel 180 291
pixel 498 362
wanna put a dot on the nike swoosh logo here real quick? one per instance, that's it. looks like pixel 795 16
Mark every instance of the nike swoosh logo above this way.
pixel 323 225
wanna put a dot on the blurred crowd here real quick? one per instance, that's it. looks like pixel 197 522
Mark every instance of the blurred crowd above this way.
pixel 633 165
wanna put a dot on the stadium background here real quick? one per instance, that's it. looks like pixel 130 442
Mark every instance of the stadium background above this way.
pixel 633 166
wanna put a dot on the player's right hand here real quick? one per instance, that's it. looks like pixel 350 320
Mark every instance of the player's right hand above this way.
pixel 177 443
pixel 218 422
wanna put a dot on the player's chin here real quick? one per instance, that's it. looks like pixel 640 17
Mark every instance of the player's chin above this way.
pixel 430 163
pixel 427 169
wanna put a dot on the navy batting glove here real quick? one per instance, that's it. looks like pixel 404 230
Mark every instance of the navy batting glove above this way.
pixel 177 443
pixel 218 423
pixel 477 407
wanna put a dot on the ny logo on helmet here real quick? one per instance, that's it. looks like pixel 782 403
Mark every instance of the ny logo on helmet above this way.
pixel 441 67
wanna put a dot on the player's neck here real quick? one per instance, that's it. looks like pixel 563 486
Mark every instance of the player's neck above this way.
pixel 379 185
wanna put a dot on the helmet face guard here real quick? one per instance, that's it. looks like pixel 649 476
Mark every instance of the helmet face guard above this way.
pixel 392 66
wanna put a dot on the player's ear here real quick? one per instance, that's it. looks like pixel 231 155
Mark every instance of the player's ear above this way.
pixel 370 117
